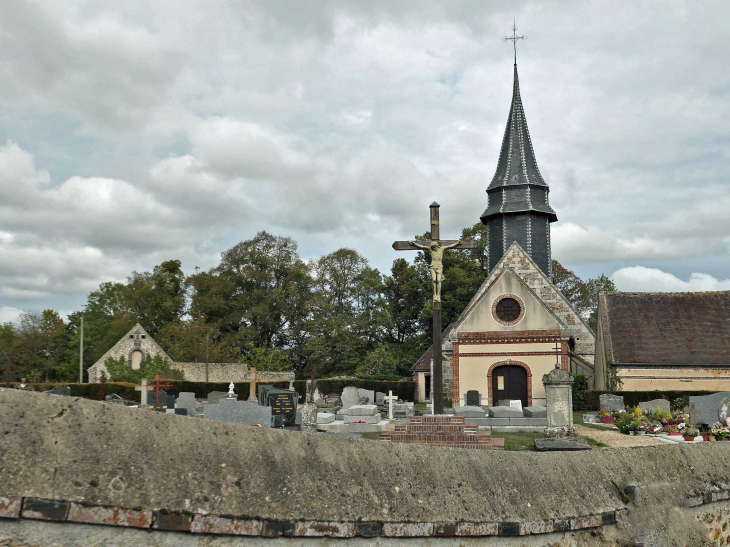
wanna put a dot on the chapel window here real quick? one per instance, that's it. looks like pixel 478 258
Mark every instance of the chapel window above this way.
pixel 508 310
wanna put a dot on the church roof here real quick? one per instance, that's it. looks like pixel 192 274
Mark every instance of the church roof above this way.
pixel 517 168
pixel 424 363
pixel 691 328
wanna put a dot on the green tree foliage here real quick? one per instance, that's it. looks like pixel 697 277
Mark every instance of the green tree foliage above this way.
pixel 119 371
pixel 582 294
pixel 158 298
pixel 378 364
pixel 266 359
pixel 187 341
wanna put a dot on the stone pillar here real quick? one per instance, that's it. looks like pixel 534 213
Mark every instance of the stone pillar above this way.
pixel 252 387
pixel 559 393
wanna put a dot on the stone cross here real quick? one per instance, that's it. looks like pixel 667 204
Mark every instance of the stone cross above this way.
pixel 252 387
pixel 435 248
pixel 143 389
pixel 390 398
pixel 231 393
pixel 693 412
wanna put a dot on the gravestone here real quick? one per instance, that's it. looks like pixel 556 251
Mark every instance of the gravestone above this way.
pixel 473 398
pixel 559 396
pixel 238 412
pixel 391 399
pixel 170 401
pixel 723 411
pixel 650 406
pixel 65 391
pixel 349 397
pixel 611 402
pixel 708 406
pixel 214 397
pixel 366 394
pixel 187 400
pixel 379 398
pixel 281 401
pixel 325 418
pixel 181 411
pixel 403 410
pixel 516 403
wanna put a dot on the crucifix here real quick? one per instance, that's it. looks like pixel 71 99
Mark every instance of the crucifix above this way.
pixel 435 248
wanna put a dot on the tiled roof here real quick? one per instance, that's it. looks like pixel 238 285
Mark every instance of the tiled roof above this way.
pixel 424 363
pixel 667 328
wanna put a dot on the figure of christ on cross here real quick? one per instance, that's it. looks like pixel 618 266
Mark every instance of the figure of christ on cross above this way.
pixel 435 248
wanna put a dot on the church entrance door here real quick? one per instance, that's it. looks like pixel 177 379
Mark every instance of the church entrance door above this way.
pixel 509 382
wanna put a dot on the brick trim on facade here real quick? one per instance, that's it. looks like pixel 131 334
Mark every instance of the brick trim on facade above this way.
pixel 498 300
pixel 520 337
pixel 456 389
pixel 509 362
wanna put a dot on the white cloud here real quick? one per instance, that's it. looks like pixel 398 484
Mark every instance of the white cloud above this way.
pixel 8 314
pixel 641 279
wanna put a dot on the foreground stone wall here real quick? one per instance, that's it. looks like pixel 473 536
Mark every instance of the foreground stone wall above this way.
pixel 228 372
pixel 66 463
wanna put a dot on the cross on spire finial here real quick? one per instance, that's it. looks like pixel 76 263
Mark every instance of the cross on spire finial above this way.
pixel 514 38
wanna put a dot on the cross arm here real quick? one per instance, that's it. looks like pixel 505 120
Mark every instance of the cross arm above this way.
pixel 408 246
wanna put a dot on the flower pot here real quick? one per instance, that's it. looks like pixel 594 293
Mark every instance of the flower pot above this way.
pixel 632 432
pixel 674 434
pixel 641 432
pixel 689 438
pixel 708 438
pixel 609 420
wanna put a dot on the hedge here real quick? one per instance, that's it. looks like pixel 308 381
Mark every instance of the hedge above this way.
pixel 405 390
pixel 633 398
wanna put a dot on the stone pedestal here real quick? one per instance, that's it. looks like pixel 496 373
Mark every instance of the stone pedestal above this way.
pixel 559 393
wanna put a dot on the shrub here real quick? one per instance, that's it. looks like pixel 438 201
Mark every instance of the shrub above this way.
pixel 580 386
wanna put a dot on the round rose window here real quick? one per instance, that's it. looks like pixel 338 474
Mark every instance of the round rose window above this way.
pixel 508 310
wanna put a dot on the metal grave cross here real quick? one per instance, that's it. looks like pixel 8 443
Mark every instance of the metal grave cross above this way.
pixel 390 398
pixel 157 386
pixel 435 247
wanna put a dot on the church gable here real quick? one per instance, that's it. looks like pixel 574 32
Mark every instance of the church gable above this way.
pixel 490 312
pixel 135 346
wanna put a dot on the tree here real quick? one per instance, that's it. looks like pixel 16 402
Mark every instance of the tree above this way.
pixel 404 296
pixel 186 341
pixel 594 286
pixel 267 359
pixel 572 287
pixel 379 363
pixel 40 344
pixel 158 298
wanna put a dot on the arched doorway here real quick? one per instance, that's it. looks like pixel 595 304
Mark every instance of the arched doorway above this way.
pixel 509 382
pixel 135 360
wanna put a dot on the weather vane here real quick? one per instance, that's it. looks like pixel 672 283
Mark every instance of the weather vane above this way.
pixel 514 38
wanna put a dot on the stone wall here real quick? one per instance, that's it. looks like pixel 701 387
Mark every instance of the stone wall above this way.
pixel 228 372
pixel 57 476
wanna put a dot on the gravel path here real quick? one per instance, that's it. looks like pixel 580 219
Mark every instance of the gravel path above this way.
pixel 615 439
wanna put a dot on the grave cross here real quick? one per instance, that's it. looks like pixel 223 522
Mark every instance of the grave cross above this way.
pixel 693 412
pixel 557 355
pixel 144 388
pixel 435 248
pixel 157 386
pixel 252 387
pixel 390 398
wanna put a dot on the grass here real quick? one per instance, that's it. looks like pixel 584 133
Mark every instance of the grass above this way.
pixel 373 436
pixel 525 440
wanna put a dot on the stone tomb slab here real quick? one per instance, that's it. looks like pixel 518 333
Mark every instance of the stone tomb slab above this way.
pixel 611 402
pixel 362 410
pixel 376 418
pixel 325 418
pixel 535 411
pixel 708 406
pixel 470 411
pixel 238 412
pixel 648 407
pixel 591 418
pixel 505 412
pixel 560 444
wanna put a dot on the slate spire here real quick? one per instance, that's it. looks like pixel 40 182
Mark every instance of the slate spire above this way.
pixel 518 208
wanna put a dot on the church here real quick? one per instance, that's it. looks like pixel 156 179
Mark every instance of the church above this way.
pixel 518 325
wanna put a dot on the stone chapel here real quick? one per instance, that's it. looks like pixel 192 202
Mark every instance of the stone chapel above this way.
pixel 518 324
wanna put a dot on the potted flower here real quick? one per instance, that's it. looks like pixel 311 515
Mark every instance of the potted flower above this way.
pixel 690 433
pixel 719 432
pixel 606 416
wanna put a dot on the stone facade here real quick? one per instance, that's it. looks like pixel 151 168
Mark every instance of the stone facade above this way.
pixel 138 340
pixel 547 324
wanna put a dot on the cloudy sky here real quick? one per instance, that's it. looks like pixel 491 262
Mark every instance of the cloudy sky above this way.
pixel 135 132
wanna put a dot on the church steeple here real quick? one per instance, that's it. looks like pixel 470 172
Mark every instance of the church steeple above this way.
pixel 518 208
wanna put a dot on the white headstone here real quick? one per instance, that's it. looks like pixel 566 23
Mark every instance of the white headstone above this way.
pixel 390 398
pixel 515 403
pixel 231 393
